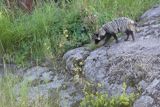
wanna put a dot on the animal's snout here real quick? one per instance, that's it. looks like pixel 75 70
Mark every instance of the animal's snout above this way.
pixel 98 38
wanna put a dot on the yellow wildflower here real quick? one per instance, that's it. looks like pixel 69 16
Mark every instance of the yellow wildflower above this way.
pixel 99 85
pixel 47 48
pixel 65 31
pixel 60 45
pixel 81 63
pixel 66 36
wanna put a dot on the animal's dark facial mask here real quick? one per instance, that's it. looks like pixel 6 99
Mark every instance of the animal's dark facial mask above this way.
pixel 97 38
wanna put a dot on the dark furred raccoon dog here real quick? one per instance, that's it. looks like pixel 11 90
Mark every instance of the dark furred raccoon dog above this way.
pixel 122 24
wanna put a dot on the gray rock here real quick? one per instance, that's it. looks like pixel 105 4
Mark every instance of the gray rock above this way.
pixel 154 90
pixel 144 101
pixel 38 75
pixel 70 97
pixel 43 90
pixel 143 85
pixel 130 90
pixel 124 62
pixel 95 67
pixel 115 90
pixel 39 81
pixel 152 13
pixel 44 84
pixel 153 85
pixel 155 106
pixel 73 58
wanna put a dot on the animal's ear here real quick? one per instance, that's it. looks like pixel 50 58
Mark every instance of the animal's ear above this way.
pixel 95 35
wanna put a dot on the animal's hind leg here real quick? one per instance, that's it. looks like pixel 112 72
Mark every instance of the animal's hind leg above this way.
pixel 115 37
pixel 126 38
pixel 108 37
pixel 132 36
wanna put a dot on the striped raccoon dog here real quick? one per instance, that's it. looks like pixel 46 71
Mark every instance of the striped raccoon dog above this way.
pixel 110 29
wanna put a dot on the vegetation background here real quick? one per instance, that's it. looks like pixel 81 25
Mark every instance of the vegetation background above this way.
pixel 53 28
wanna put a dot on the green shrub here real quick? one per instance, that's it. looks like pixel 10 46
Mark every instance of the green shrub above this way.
pixel 103 100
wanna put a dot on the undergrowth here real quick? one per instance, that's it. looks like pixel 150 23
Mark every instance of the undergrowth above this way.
pixel 50 30
pixel 104 100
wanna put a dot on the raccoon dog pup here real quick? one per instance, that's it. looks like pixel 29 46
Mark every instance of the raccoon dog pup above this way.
pixel 110 29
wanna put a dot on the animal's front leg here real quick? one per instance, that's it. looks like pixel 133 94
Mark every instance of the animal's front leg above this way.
pixel 126 38
pixel 115 37
pixel 128 33
pixel 132 36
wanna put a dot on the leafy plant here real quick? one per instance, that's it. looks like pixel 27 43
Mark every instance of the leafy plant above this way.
pixel 103 100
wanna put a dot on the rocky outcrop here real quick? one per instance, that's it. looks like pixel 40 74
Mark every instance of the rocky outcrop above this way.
pixel 144 101
pixel 136 63
pixel 48 84
pixel 150 96
pixel 74 59
pixel 151 13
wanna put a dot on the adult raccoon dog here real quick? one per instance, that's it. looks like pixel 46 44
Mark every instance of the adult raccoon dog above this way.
pixel 122 24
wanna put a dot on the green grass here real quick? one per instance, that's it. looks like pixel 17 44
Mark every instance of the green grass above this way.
pixel 42 34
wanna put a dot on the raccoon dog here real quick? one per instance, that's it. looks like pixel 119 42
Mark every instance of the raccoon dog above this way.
pixel 110 29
